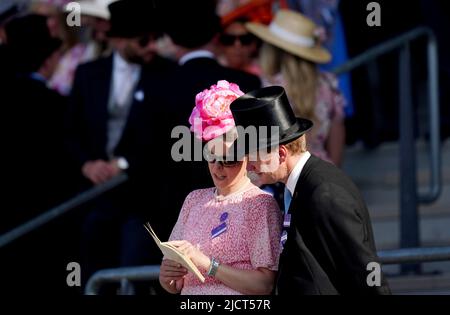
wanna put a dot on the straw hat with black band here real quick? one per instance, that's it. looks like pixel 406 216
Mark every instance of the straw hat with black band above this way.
pixel 294 33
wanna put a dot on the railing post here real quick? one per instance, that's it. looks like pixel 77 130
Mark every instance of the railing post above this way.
pixel 434 124
pixel 377 117
pixel 124 275
pixel 126 287
pixel 409 224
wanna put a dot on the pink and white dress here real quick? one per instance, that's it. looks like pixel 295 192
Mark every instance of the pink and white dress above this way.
pixel 241 230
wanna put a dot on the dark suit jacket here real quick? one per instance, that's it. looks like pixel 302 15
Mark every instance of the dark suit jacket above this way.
pixel 88 108
pixel 330 239
pixel 87 118
pixel 197 75
pixel 176 100
pixel 33 145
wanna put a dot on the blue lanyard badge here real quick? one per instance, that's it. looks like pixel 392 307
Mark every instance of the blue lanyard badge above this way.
pixel 222 227
pixel 287 220
pixel 286 225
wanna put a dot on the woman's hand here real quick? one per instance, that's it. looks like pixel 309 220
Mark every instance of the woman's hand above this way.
pixel 171 275
pixel 259 281
pixel 194 253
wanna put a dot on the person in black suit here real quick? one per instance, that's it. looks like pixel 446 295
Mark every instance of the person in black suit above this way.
pixel 35 170
pixel 34 117
pixel 194 29
pixel 329 244
pixel 107 134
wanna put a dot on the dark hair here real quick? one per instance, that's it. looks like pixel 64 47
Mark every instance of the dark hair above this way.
pixel 194 24
pixel 30 50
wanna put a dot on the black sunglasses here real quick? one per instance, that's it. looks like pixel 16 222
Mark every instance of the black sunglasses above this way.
pixel 223 162
pixel 145 39
pixel 226 163
pixel 229 40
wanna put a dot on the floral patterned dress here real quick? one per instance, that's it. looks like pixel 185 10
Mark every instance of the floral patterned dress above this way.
pixel 241 230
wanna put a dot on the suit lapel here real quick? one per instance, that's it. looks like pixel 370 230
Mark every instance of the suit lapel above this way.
pixel 105 82
pixel 100 92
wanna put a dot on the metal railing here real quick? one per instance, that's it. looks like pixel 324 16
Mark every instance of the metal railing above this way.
pixel 414 255
pixel 409 195
pixel 58 211
pixel 122 275
pixel 402 43
pixel 126 275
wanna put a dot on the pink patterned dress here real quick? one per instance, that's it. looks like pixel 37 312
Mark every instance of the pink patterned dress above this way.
pixel 241 230
pixel 329 106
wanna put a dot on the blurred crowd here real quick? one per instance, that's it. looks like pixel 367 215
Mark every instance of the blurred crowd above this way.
pixel 83 103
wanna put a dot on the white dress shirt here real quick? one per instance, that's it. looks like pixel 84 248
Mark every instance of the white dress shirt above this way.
pixel 295 174
pixel 125 78
pixel 196 54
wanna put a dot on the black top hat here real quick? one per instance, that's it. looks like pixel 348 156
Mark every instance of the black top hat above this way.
pixel 30 50
pixel 132 18
pixel 266 107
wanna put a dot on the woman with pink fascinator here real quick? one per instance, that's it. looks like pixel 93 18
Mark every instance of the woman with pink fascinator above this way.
pixel 231 232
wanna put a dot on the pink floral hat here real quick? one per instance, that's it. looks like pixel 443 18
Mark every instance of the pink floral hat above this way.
pixel 211 116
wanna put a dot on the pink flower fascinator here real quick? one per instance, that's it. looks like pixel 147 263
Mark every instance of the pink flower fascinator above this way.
pixel 211 116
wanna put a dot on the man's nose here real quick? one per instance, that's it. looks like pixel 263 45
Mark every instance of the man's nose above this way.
pixel 218 165
pixel 251 166
pixel 152 46
pixel 237 43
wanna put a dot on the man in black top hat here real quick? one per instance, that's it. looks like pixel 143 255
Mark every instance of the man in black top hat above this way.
pixel 107 135
pixel 35 114
pixel 34 159
pixel 328 241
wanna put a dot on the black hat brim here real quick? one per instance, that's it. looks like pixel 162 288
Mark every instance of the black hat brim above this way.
pixel 242 146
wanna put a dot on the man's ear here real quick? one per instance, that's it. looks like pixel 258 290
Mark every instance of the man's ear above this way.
pixel 214 45
pixel 215 40
pixel 283 153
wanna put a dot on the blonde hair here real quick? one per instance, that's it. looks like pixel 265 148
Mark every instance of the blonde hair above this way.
pixel 297 146
pixel 300 77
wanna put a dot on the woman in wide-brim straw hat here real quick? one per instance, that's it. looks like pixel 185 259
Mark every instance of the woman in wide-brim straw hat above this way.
pixel 289 57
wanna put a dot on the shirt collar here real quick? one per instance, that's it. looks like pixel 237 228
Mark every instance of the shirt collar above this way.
pixel 195 54
pixel 120 63
pixel 295 173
